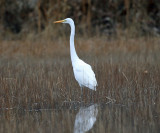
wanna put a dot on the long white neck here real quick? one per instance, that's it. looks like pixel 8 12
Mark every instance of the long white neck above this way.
pixel 73 53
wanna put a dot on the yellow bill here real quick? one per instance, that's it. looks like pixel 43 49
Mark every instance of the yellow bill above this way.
pixel 60 21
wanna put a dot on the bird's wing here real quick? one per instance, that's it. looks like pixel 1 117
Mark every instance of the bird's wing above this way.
pixel 85 75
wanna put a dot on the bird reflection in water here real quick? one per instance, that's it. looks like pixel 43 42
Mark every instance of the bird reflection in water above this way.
pixel 85 118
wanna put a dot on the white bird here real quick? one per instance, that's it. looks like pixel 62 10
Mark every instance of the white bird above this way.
pixel 82 71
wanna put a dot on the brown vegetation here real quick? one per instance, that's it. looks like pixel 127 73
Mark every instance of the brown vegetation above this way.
pixel 38 92
pixel 37 80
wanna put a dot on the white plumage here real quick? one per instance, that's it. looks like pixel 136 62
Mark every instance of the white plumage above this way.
pixel 82 71
pixel 84 74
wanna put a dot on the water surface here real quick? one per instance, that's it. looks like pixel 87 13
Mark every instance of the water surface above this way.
pixel 97 118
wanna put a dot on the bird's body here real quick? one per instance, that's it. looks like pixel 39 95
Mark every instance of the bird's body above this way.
pixel 84 74
pixel 82 71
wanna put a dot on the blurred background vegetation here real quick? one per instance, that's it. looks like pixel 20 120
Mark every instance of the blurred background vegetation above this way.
pixel 25 18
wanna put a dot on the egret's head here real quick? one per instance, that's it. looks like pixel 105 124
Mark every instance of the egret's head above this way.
pixel 67 20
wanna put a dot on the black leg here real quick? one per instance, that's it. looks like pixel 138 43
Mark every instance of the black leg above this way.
pixel 91 96
pixel 81 94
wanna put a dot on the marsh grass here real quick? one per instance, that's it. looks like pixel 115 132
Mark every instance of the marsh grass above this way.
pixel 38 92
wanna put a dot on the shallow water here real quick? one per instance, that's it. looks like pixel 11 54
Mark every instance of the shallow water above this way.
pixel 97 118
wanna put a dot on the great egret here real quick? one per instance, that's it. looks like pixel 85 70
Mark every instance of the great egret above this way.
pixel 82 71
